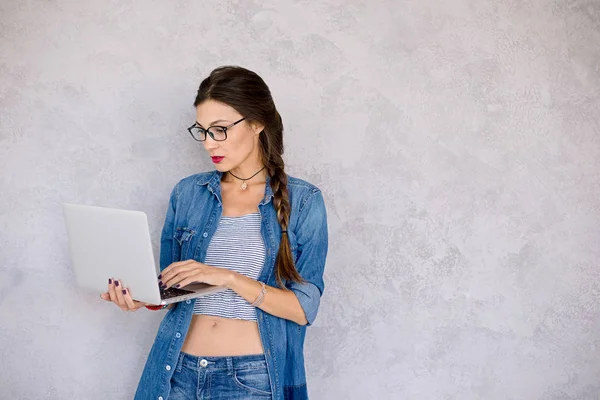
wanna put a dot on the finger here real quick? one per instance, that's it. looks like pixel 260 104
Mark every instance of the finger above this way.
pixel 176 268
pixel 178 277
pixel 137 304
pixel 105 296
pixel 172 275
pixel 128 299
pixel 167 271
pixel 111 291
pixel 177 280
pixel 119 291
pixel 187 280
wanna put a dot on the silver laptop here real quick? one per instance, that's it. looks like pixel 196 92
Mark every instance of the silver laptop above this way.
pixel 112 243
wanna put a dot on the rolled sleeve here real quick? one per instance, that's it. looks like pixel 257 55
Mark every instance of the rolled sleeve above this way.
pixel 312 242
pixel 309 297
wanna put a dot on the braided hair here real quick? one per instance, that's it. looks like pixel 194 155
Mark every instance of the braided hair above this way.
pixel 245 91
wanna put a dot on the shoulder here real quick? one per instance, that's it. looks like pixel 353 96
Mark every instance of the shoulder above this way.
pixel 308 209
pixel 300 185
pixel 302 191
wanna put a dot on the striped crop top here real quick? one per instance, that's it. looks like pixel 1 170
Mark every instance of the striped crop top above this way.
pixel 237 245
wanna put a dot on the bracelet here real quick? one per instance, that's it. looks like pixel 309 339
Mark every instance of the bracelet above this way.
pixel 261 296
pixel 156 308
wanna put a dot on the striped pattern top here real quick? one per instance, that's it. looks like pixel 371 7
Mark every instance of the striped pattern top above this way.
pixel 237 245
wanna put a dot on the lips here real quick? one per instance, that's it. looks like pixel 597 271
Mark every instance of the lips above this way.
pixel 217 159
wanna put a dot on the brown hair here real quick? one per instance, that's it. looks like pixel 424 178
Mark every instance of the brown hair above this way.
pixel 249 95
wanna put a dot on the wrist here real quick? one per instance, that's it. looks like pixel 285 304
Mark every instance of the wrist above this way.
pixel 231 279
pixel 261 296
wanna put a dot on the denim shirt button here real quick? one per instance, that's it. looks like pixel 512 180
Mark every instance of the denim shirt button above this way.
pixel 168 367
pixel 188 302
pixel 178 335
pixel 205 234
pixel 160 398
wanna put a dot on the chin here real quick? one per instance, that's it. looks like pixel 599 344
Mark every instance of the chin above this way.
pixel 221 167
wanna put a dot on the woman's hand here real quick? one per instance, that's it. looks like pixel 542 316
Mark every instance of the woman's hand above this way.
pixel 121 297
pixel 182 273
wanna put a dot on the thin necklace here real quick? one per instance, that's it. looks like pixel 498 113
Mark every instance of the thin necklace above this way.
pixel 244 186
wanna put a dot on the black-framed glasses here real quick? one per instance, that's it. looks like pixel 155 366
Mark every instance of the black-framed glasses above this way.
pixel 218 133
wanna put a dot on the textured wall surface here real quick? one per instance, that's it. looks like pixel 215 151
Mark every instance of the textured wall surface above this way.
pixel 457 143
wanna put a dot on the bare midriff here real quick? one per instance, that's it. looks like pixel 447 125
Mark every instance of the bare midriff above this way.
pixel 216 336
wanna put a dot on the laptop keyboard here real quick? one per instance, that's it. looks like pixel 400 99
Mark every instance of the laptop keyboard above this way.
pixel 173 292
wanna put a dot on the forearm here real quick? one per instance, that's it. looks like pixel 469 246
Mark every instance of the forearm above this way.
pixel 278 302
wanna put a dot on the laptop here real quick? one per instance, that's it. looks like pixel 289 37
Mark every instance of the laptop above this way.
pixel 114 243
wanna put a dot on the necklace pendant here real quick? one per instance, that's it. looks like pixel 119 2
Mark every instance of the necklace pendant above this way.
pixel 244 186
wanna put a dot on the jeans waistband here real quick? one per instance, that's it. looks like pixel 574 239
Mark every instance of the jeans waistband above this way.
pixel 225 363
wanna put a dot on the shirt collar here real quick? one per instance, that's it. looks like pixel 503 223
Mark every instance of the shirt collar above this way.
pixel 213 181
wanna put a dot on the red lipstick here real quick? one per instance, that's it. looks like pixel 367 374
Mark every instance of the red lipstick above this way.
pixel 217 160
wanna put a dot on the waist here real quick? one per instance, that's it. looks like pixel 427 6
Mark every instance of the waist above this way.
pixel 224 363
pixel 216 336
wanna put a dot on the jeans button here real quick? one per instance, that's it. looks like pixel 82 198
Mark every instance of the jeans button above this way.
pixel 203 363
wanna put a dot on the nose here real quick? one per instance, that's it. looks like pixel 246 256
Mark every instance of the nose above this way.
pixel 210 143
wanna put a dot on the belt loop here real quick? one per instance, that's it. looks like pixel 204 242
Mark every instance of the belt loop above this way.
pixel 179 362
pixel 230 369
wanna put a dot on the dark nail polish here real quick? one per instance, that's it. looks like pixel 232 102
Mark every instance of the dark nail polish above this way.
pixel 160 283
pixel 124 291
pixel 117 283
pixel 160 276
pixel 109 281
pixel 177 285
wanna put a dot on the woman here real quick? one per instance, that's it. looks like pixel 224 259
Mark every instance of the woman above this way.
pixel 247 226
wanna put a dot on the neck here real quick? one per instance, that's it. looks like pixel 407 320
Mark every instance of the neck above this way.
pixel 245 172
pixel 248 167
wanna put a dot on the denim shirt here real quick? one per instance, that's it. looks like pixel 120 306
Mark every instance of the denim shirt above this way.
pixel 195 208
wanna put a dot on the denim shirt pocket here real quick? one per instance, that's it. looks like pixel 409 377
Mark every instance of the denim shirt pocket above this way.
pixel 183 237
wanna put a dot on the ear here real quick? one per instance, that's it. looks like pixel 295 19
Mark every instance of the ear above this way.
pixel 257 128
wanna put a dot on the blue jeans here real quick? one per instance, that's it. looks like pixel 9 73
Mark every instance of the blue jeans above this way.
pixel 215 378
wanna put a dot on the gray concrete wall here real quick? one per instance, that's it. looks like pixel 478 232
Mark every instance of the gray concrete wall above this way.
pixel 457 144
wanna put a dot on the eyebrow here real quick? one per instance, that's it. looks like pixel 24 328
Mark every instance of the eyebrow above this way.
pixel 214 122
